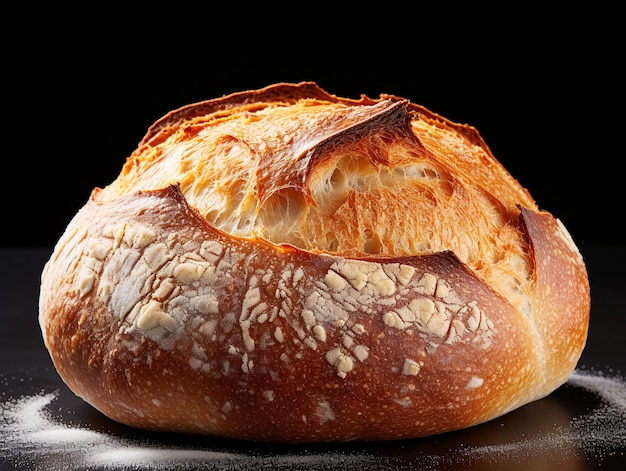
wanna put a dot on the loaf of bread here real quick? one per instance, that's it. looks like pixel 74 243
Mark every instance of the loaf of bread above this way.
pixel 287 265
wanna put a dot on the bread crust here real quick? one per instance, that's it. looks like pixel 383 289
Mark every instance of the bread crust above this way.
pixel 430 294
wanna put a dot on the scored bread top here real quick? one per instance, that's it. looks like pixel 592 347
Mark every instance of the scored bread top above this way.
pixel 293 164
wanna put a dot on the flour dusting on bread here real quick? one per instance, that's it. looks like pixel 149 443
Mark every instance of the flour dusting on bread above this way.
pixel 287 265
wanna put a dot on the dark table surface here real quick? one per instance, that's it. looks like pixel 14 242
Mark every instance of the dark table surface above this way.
pixel 581 426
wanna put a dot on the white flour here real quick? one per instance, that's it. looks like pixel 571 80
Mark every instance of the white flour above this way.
pixel 597 434
pixel 35 440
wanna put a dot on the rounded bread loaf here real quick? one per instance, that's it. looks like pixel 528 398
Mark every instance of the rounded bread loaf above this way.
pixel 287 265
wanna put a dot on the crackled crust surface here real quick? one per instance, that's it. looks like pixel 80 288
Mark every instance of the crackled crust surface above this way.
pixel 382 178
pixel 287 265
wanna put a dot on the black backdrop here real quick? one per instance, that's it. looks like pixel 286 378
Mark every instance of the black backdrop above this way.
pixel 81 89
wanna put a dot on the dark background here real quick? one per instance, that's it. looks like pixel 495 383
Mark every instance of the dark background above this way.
pixel 543 87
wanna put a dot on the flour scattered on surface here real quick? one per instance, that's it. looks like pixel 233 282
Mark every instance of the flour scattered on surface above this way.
pixel 34 439
pixel 598 433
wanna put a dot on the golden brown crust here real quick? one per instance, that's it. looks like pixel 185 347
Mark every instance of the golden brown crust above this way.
pixel 287 265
